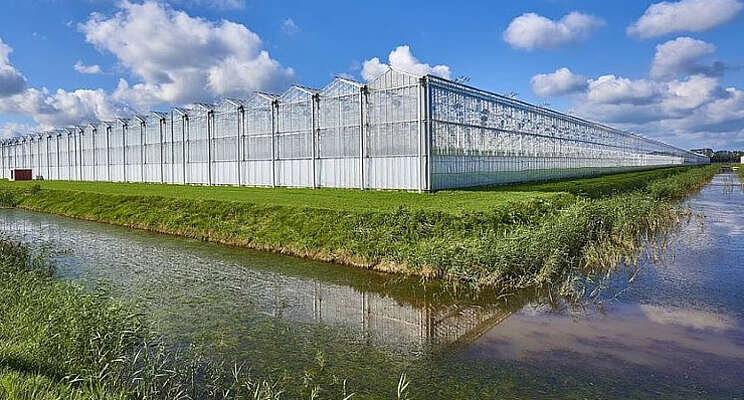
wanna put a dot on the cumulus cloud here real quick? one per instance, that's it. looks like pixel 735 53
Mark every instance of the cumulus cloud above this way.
pixel 401 58
pixel 682 56
pixel 179 58
pixel 14 129
pixel 532 31
pixel 679 110
pixel 173 57
pixel 60 108
pixel 684 16
pixel 289 27
pixel 558 83
pixel 219 4
pixel 11 80
pixel 87 69
pixel 611 89
pixel 49 108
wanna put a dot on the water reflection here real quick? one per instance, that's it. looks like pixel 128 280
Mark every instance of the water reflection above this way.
pixel 159 270
pixel 682 318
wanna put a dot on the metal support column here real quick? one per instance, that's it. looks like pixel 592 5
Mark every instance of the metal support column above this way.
pixel 239 152
pixel 143 129
pixel 95 156
pixel 274 126
pixel 362 131
pixel 428 136
pixel 161 120
pixel 124 129
pixel 184 136
pixel 210 133
pixel 108 153
pixel 420 127
pixel 314 106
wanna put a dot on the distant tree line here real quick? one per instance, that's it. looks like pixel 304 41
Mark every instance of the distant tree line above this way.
pixel 727 156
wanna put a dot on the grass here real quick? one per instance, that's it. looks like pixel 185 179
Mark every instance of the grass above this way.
pixel 598 187
pixel 515 243
pixel 447 201
pixel 329 199
pixel 53 334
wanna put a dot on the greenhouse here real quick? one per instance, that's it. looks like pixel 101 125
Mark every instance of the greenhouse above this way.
pixel 398 131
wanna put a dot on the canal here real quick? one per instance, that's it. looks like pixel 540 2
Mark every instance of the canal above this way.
pixel 675 330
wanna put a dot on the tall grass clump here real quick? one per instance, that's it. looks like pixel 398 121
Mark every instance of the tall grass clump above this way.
pixel 678 186
pixel 587 238
pixel 55 340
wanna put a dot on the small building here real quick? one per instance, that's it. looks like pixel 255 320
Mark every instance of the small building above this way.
pixel 21 174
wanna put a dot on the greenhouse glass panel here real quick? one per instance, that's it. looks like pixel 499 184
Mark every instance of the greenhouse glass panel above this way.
pixel 117 150
pixel 179 129
pixel 102 156
pixel 393 115
pixel 339 119
pixel 294 135
pixel 153 147
pixel 339 134
pixel 257 163
pixel 227 123
pixel 259 119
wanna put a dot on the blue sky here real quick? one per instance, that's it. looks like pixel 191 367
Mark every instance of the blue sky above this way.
pixel 667 70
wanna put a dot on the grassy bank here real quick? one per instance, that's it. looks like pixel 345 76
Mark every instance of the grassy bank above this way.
pixel 518 238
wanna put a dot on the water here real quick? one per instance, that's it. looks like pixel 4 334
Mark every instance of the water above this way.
pixel 676 331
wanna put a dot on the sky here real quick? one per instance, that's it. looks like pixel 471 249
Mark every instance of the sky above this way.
pixel 671 70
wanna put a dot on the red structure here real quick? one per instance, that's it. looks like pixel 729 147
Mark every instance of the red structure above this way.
pixel 21 175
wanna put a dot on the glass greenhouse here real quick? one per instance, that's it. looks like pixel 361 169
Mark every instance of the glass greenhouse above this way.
pixel 398 131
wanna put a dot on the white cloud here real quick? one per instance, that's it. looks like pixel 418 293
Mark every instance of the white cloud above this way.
pixel 611 89
pixel 179 58
pixel 692 111
pixel 60 108
pixel 14 129
pixel 682 56
pixel 51 109
pixel 373 68
pixel 289 27
pixel 87 69
pixel 401 58
pixel 690 93
pixel 11 80
pixel 684 16
pixel 219 4
pixel 558 83
pixel 532 31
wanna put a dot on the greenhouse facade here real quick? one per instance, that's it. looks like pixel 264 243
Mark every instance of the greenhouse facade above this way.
pixel 398 131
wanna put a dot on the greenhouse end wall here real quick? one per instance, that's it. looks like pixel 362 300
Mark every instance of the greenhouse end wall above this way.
pixel 398 131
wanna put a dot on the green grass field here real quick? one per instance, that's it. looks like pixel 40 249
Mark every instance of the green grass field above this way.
pixel 448 201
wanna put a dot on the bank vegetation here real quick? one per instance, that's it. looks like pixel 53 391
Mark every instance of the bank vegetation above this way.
pixel 512 237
